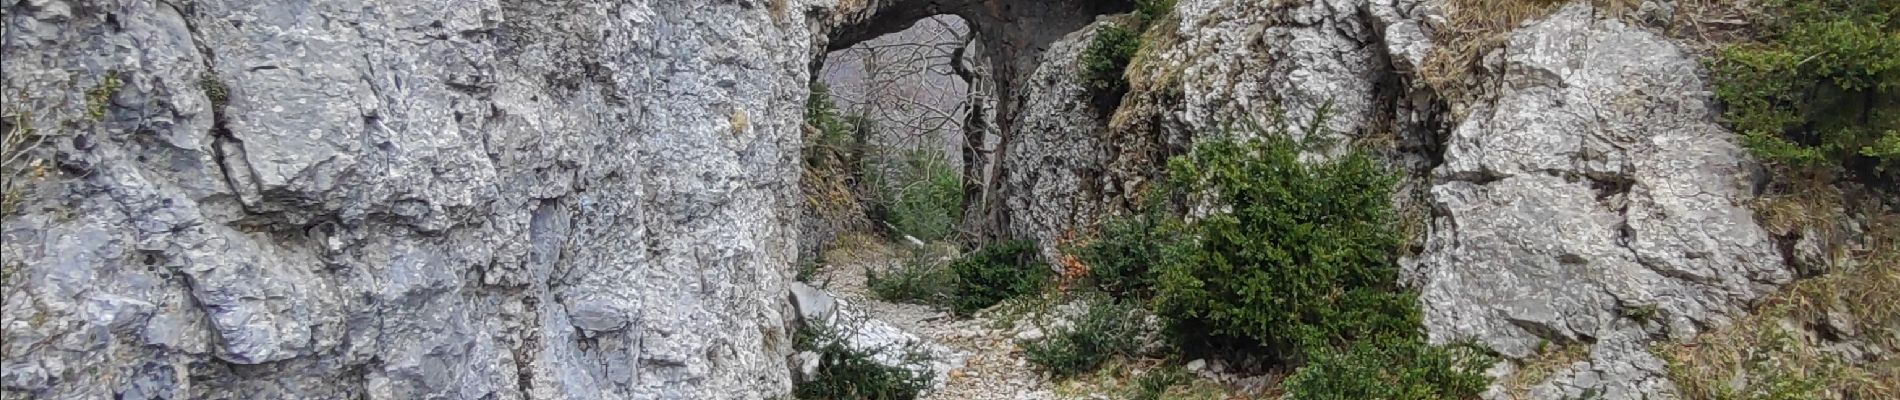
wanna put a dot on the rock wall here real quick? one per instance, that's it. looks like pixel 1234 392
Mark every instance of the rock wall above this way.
pixel 332 199
pixel 1585 198
pixel 1054 169
pixel 1594 201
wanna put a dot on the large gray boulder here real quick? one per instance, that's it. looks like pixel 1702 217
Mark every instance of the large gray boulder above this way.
pixel 1053 171
pixel 402 199
pixel 1594 202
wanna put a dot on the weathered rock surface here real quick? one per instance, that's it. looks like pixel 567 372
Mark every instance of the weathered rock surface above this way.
pixel 1053 170
pixel 1593 201
pixel 1590 199
pixel 403 199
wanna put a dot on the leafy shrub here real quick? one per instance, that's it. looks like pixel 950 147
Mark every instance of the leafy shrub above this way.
pixel 923 196
pixel 1119 260
pixel 997 272
pixel 1390 368
pixel 1296 256
pixel 845 372
pixel 1822 87
pixel 1108 328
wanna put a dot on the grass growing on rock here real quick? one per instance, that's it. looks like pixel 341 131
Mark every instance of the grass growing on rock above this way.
pixel 1792 346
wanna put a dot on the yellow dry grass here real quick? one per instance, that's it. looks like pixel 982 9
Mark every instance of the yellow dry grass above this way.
pixel 1536 369
pixel 1787 348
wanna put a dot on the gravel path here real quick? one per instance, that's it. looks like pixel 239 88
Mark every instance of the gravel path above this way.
pixel 994 368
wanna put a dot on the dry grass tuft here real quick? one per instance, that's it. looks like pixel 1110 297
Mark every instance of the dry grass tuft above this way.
pixel 1818 338
pixel 1470 29
pixel 1538 368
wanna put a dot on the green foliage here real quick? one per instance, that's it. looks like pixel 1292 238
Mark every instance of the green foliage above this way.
pixel 1154 384
pixel 851 373
pixel 920 280
pixel 923 196
pixel 997 272
pixel 214 90
pixel 1108 328
pixel 1119 259
pixel 1822 87
pixel 966 284
pixel 1107 57
pixel 833 130
pixel 1390 368
pixel 100 96
pixel 1298 256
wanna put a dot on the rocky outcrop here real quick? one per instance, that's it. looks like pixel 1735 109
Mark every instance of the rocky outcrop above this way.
pixel 1588 198
pixel 1593 201
pixel 1053 173
pixel 402 199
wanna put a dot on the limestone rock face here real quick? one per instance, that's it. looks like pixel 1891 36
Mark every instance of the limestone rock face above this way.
pixel 401 199
pixel 1593 201
pixel 1588 199
pixel 1053 170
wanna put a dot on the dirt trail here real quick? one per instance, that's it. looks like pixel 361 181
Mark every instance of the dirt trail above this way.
pixel 994 367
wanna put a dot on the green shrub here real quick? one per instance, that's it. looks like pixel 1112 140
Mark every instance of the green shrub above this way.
pixel 1390 368
pixel 1107 57
pixel 997 272
pixel 831 135
pixel 920 280
pixel 1119 260
pixel 1108 328
pixel 845 372
pixel 1822 87
pixel 1105 60
pixel 923 196
pixel 1298 257
pixel 966 284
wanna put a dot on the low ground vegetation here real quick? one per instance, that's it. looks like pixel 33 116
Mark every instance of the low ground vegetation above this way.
pixel 1107 328
pixel 1820 87
pixel 967 283
pixel 845 372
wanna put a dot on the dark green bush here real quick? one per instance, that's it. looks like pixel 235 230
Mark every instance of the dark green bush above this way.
pixel 966 284
pixel 845 372
pixel 830 137
pixel 1297 256
pixel 1108 328
pixel 1120 258
pixel 1821 88
pixel 920 280
pixel 1107 57
pixel 997 272
pixel 1391 368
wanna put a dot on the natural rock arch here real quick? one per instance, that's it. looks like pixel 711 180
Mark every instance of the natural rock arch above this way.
pixel 1010 36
